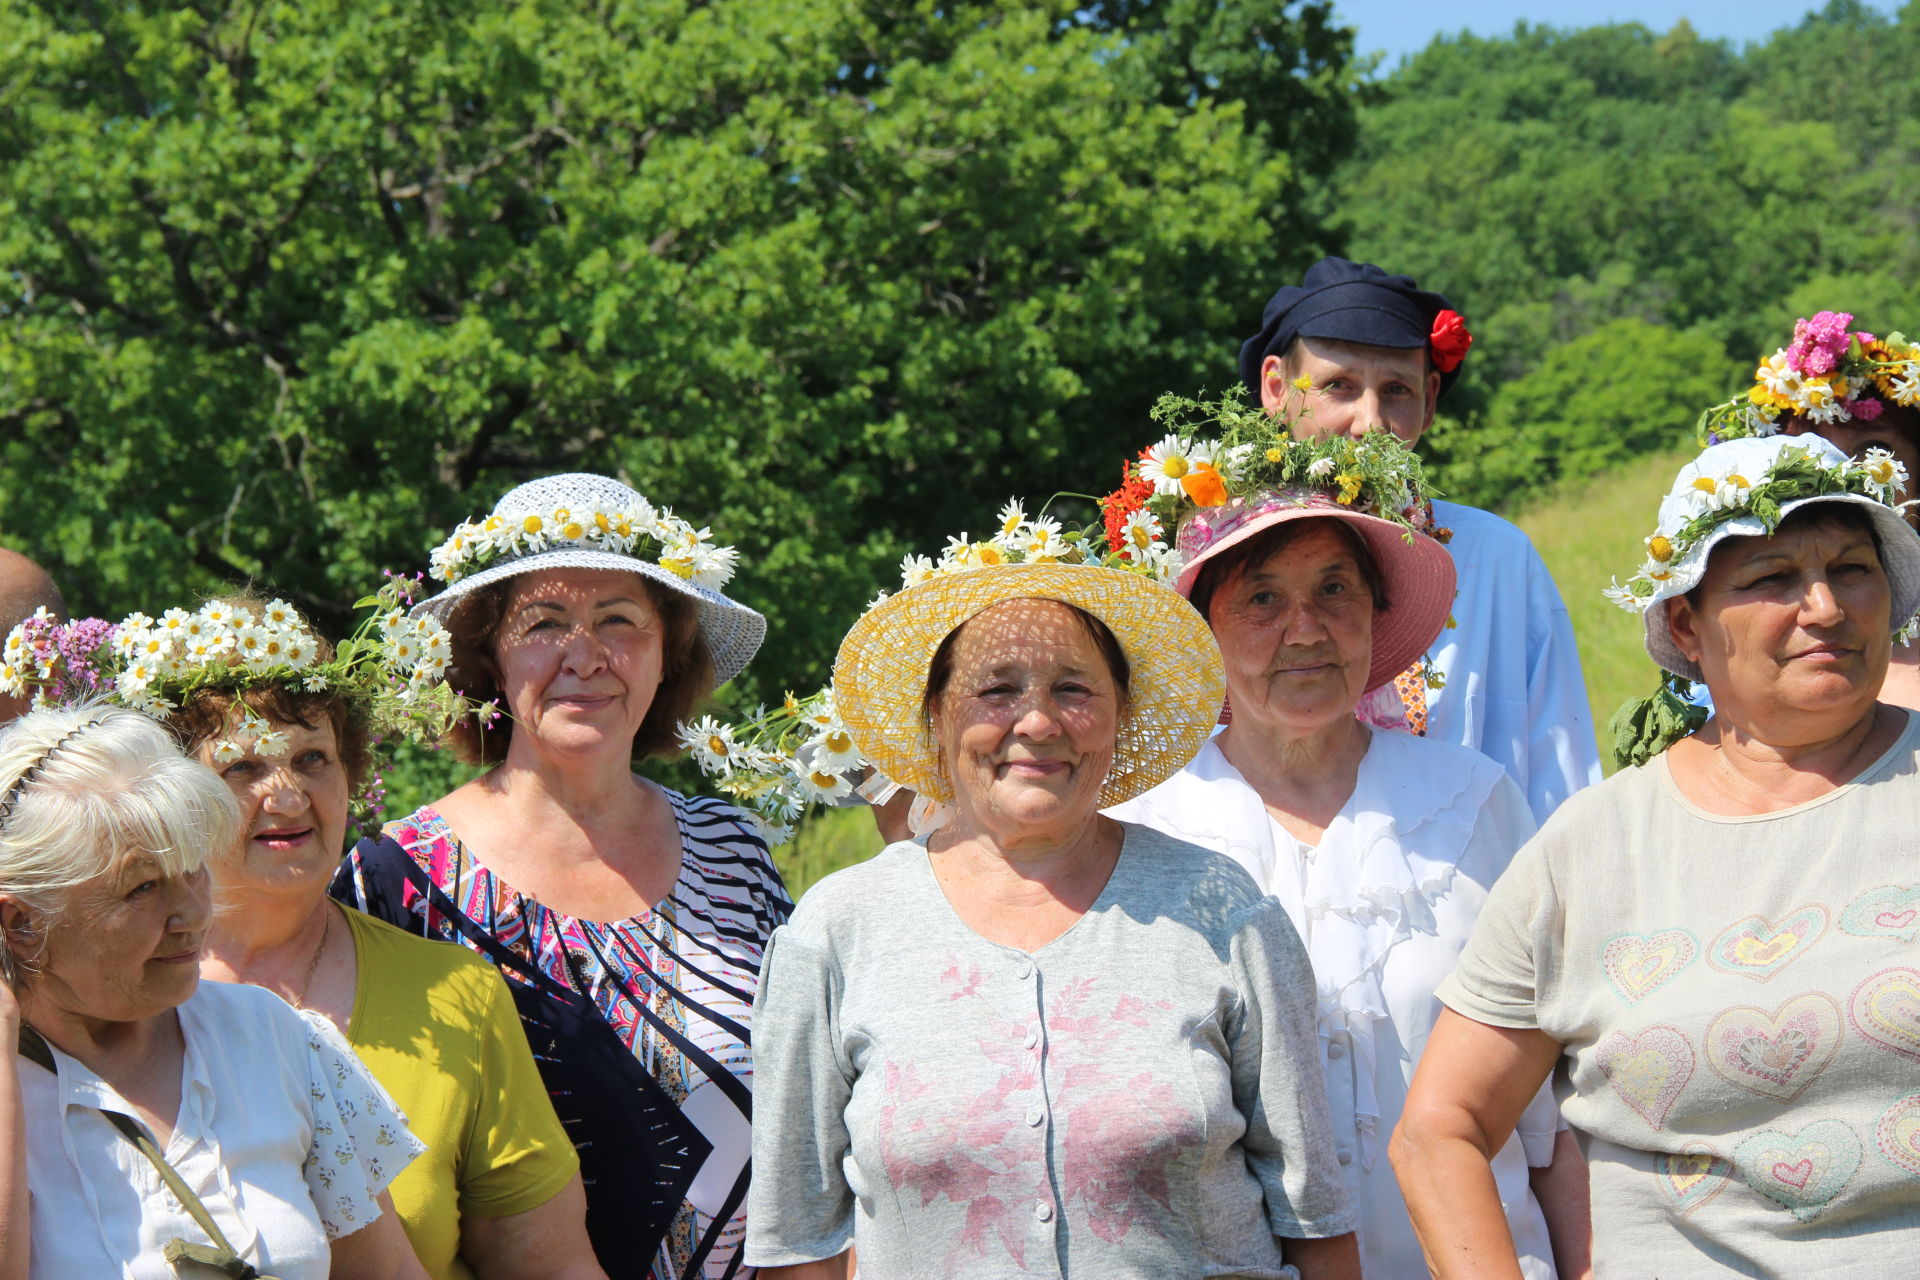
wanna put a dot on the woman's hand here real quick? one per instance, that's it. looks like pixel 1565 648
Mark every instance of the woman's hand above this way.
pixel 1472 1083
pixel 378 1251
pixel 547 1242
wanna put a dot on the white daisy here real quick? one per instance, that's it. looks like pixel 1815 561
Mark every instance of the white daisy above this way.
pixel 1886 475
pixel 1172 459
pixel 1140 530
pixel 832 751
pixel 914 570
pixel 226 751
pixel 711 743
pixel 1320 468
pixel 1012 516
pixel 822 786
pixel 270 744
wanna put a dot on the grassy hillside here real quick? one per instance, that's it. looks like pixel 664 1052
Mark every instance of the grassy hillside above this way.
pixel 1588 533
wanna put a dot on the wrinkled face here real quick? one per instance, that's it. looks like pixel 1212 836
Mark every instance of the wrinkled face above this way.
pixel 1026 724
pixel 1885 432
pixel 579 653
pixel 1351 389
pixel 1795 624
pixel 1296 633
pixel 293 809
pixel 125 947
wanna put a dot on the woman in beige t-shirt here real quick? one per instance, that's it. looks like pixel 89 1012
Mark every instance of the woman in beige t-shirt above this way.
pixel 1714 952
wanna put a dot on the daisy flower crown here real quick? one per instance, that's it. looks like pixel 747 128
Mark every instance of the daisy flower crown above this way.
pixel 394 665
pixel 1825 374
pixel 778 761
pixel 639 530
pixel 1714 499
pixel 1214 453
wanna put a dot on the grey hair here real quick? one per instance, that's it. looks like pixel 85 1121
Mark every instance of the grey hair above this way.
pixel 93 786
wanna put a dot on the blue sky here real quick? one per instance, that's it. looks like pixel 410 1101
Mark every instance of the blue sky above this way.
pixel 1398 27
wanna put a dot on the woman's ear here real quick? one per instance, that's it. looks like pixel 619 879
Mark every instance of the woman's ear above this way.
pixel 1684 625
pixel 21 937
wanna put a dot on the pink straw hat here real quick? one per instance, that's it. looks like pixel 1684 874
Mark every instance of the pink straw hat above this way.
pixel 1416 571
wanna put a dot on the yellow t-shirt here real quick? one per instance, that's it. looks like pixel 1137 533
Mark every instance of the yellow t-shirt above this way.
pixel 437 1026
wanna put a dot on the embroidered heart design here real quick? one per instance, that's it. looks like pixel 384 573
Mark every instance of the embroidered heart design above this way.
pixel 1757 948
pixel 1891 911
pixel 1804 1171
pixel 1648 1070
pixel 1690 1178
pixel 1898 1133
pixel 1636 964
pixel 1776 1054
pixel 1886 1010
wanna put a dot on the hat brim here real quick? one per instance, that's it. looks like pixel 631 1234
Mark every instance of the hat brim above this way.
pixel 732 631
pixel 1416 572
pixel 1899 557
pixel 880 674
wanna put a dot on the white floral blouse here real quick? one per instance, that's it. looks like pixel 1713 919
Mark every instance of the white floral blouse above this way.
pixel 281 1132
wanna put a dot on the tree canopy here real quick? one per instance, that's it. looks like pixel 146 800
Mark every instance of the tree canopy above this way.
pixel 300 286
pixel 297 287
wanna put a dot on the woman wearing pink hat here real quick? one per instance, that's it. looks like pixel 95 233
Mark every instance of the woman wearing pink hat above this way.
pixel 1317 568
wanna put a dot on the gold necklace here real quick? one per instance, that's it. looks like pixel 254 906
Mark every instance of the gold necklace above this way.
pixel 313 965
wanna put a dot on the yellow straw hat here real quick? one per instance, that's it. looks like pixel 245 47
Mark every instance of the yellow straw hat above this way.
pixel 880 674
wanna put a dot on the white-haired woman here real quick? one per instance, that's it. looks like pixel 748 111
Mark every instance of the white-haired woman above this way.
pixel 1712 954
pixel 628 917
pixel 152 1119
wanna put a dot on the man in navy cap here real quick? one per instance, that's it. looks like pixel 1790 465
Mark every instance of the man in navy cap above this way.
pixel 1352 349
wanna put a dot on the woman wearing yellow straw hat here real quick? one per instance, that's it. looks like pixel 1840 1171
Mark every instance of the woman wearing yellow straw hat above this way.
pixel 1311 562
pixel 1046 1041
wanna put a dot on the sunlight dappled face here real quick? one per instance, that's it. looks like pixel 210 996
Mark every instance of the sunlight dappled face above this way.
pixel 1296 634
pixel 1027 722
pixel 580 654
pixel 1797 623
pixel 293 809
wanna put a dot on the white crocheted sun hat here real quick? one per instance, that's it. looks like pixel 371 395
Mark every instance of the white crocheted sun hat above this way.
pixel 1712 499
pixel 584 521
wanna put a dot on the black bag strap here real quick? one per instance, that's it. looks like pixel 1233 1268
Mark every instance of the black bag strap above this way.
pixel 220 1255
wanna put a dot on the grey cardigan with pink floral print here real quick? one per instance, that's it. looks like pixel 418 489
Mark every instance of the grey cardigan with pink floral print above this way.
pixel 1141 1097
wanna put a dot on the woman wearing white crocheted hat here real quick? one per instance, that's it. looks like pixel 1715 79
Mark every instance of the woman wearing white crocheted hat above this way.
pixel 1313 564
pixel 629 918
pixel 1861 392
pixel 1713 952
pixel 1045 1040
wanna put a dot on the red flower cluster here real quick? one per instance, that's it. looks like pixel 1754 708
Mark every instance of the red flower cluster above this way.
pixel 1123 502
pixel 1449 341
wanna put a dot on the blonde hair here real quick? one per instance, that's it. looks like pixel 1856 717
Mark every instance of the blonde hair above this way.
pixel 84 789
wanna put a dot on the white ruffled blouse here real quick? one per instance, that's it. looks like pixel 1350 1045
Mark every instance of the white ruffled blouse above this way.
pixel 281 1132
pixel 1384 904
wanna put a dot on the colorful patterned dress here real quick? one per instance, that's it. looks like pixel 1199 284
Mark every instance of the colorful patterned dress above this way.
pixel 675 985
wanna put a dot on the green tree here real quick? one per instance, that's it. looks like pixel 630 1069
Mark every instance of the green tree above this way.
pixel 1584 410
pixel 299 286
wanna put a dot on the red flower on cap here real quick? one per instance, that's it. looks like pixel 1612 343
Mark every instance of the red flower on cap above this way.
pixel 1449 341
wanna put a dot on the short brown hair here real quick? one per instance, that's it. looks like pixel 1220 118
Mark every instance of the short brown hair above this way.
pixel 204 714
pixel 686 672
pixel 1266 544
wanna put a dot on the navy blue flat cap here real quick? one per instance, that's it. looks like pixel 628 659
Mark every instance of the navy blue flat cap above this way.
pixel 1349 302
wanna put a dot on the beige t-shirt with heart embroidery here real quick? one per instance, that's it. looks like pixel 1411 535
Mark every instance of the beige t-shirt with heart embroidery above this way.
pixel 1739 1001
